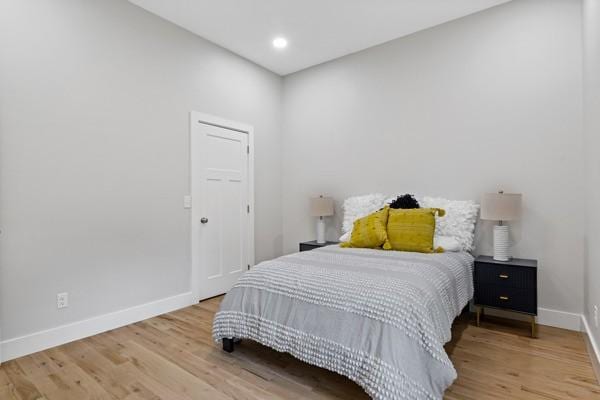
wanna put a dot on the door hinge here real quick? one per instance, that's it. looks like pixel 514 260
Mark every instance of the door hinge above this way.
pixel 248 208
pixel 247 149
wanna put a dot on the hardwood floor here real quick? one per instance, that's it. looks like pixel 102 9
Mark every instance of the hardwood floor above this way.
pixel 173 357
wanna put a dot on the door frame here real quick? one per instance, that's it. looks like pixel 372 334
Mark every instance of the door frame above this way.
pixel 195 118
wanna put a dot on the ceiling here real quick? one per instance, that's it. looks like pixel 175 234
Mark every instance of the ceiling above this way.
pixel 317 30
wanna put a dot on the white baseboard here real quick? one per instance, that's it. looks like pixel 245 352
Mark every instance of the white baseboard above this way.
pixel 559 319
pixel 38 341
pixel 546 316
pixel 593 347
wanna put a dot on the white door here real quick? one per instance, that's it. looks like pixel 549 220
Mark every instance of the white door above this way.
pixel 221 228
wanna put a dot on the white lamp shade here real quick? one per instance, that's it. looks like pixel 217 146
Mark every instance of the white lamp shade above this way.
pixel 321 206
pixel 501 206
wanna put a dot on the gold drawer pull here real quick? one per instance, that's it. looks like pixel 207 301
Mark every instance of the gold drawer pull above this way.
pixel 504 298
pixel 503 276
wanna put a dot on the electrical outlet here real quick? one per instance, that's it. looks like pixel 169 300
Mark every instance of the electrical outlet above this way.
pixel 596 315
pixel 62 300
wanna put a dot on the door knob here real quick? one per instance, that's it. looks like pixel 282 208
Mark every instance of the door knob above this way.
pixel 203 220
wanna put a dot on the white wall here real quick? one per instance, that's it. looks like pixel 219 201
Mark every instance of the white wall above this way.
pixel 94 102
pixel 94 109
pixel 490 101
pixel 591 91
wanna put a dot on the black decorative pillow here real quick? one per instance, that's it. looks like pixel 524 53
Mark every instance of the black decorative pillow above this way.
pixel 405 201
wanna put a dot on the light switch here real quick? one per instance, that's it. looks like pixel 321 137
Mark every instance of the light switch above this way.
pixel 187 201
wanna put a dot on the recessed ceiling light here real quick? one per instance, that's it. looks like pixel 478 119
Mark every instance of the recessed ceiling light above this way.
pixel 280 43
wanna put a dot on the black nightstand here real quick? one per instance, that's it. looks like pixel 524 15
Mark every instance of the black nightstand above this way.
pixel 305 246
pixel 507 285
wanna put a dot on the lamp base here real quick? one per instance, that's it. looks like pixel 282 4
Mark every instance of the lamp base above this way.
pixel 501 243
pixel 321 230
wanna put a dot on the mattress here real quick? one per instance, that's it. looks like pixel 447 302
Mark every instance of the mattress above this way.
pixel 380 318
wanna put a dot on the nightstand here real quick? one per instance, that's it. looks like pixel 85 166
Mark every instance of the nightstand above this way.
pixel 506 285
pixel 305 246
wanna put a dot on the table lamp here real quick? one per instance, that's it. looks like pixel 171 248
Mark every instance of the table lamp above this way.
pixel 321 207
pixel 501 207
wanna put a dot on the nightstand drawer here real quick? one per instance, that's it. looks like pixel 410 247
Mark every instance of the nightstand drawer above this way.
pixel 506 275
pixel 516 299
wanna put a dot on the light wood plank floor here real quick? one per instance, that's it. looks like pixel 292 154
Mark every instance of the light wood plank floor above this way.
pixel 172 357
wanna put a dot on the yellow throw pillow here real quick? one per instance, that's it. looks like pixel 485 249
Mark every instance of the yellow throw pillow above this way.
pixel 370 231
pixel 412 230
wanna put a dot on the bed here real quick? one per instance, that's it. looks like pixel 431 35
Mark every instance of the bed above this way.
pixel 380 318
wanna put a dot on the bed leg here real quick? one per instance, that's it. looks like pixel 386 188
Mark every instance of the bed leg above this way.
pixel 228 345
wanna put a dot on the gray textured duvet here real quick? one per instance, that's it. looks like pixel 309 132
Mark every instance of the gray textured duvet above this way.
pixel 380 318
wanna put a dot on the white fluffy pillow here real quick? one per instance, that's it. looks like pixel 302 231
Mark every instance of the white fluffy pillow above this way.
pixel 448 243
pixel 345 237
pixel 360 206
pixel 459 222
